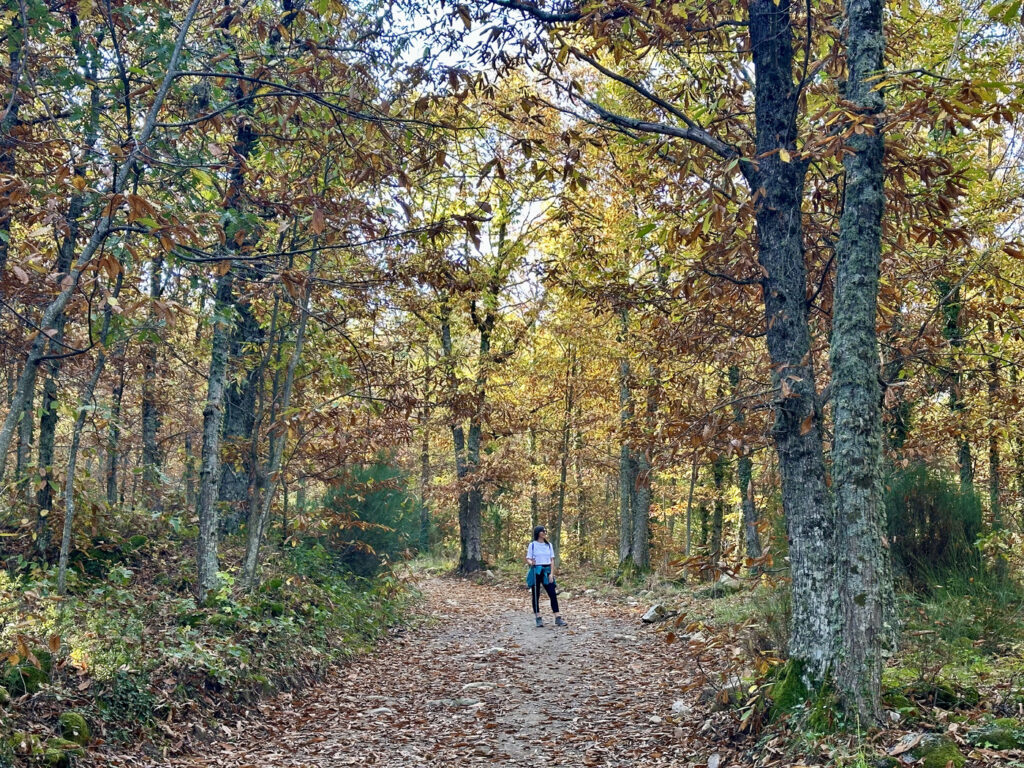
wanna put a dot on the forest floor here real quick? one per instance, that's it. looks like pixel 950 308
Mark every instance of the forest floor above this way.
pixel 475 682
pixel 479 683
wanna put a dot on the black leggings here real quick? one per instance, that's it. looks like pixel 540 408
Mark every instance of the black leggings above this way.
pixel 544 577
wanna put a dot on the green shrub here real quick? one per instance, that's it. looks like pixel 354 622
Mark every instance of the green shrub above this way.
pixel 127 699
pixel 377 516
pixel 933 525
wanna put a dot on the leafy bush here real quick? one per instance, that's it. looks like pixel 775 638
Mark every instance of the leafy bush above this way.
pixel 933 526
pixel 376 516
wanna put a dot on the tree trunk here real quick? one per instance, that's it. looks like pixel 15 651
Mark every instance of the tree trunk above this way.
pixel 642 512
pixel 778 182
pixel 44 455
pixel 24 456
pixel 582 523
pixel 49 418
pixel 458 440
pixel 627 462
pixel 237 468
pixel 151 486
pixel 279 434
pixel 689 505
pixel 76 439
pixel 563 464
pixel 719 467
pixel 213 415
pixel 114 436
pixel 424 481
pixel 865 586
pixel 8 126
pixel 745 477
pixel 534 501
pixel 952 309
pixel 995 505
pixel 704 514
pixel 190 472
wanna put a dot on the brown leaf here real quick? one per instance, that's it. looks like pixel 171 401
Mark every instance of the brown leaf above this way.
pixel 906 744
pixel 319 223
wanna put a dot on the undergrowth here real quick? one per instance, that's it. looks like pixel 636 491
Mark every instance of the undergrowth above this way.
pixel 134 653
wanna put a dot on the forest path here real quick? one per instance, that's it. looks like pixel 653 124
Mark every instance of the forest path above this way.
pixel 483 685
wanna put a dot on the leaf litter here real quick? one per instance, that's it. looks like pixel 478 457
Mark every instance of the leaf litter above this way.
pixel 479 684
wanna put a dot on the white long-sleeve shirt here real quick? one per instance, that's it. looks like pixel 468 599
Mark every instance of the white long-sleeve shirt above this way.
pixel 541 552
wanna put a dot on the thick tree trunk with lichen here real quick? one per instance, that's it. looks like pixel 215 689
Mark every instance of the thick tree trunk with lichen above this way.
pixel 237 469
pixel 865 588
pixel 778 180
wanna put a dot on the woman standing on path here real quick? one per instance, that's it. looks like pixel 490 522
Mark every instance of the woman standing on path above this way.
pixel 540 557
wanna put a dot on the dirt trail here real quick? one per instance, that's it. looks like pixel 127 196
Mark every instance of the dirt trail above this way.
pixel 482 685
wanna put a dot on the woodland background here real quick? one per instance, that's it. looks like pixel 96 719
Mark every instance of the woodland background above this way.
pixel 292 290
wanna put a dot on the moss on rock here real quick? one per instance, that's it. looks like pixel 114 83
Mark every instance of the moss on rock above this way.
pixel 938 752
pixel 1003 733
pixel 274 608
pixel 23 743
pixel 272 585
pixel 59 753
pixel 5 696
pixel 74 728
pixel 24 678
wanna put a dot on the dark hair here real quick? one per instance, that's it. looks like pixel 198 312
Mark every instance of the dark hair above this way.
pixel 537 531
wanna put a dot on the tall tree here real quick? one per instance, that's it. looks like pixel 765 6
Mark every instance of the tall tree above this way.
pixel 866 597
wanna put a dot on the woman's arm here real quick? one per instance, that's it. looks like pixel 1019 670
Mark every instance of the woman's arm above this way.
pixel 530 559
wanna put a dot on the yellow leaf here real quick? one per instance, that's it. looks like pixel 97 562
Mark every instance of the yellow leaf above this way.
pixel 784 155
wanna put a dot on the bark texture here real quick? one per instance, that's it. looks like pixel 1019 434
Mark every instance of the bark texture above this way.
pixel 866 584
pixel 778 181
pixel 213 416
